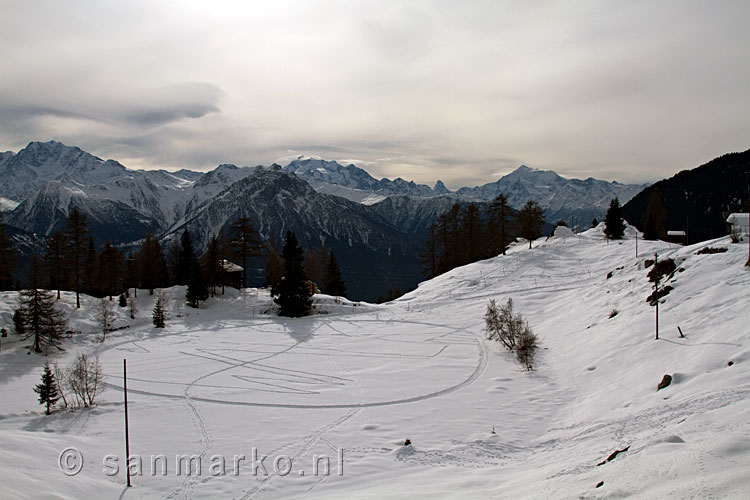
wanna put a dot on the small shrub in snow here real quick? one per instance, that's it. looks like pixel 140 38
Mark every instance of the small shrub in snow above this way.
pixel 526 348
pixel 81 382
pixel 85 379
pixel 656 295
pixel 122 300
pixel 662 268
pixel 132 307
pixel 612 313
pixel 508 328
pixel 105 316
pixel 18 323
pixel 711 250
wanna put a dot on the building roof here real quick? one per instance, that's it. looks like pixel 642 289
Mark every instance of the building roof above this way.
pixel 230 267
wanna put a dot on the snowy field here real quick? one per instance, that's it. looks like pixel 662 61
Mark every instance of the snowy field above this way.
pixel 344 389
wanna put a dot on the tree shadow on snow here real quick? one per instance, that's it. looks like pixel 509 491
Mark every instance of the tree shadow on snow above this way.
pixel 299 329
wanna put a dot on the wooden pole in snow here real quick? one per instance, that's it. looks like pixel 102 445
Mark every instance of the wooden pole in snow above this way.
pixel 656 292
pixel 127 439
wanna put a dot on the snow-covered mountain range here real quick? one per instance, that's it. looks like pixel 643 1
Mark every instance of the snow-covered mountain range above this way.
pixel 375 225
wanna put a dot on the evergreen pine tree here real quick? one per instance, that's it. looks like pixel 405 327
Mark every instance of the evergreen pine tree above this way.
pixel 614 228
pixel 41 320
pixel 530 221
pixel 500 225
pixel 334 282
pixel 185 259
pixel 470 234
pixel 655 217
pixel 245 244
pixel 292 293
pixel 91 282
pixel 54 259
pixel 47 390
pixel 76 230
pixel 429 256
pixel 111 270
pixel 151 265
pixel 274 267
pixel 197 291
pixel 7 258
pixel 213 263
pixel 159 314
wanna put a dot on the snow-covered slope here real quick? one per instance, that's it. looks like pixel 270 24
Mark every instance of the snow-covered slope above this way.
pixel 346 388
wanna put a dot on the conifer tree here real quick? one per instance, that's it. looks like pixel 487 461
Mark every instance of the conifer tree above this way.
pixel 159 314
pixel 334 282
pixel 41 320
pixel 151 265
pixel 76 232
pixel 470 234
pixel 111 268
pixel 91 283
pixel 655 217
pixel 47 390
pixel 292 293
pixel 274 267
pixel 197 291
pixel 54 258
pixel 245 243
pixel 614 228
pixel 430 255
pixel 500 225
pixel 7 258
pixel 530 221
pixel 213 263
pixel 185 259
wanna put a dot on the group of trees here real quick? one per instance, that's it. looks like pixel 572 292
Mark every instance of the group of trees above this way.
pixel 76 385
pixel 465 233
pixel 654 219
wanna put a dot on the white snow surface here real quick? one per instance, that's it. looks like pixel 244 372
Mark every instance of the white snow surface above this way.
pixel 232 377
pixel 7 205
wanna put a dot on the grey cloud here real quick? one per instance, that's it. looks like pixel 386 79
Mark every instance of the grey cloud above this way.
pixel 423 90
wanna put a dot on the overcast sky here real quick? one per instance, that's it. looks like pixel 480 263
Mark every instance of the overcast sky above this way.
pixel 425 90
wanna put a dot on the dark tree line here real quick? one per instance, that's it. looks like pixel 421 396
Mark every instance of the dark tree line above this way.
pixel 71 261
pixel 466 233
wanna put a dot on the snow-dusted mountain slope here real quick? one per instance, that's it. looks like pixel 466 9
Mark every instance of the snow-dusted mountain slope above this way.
pixel 373 254
pixel 108 219
pixel 560 197
pixel 49 178
pixel 414 214
pixel 345 389
pixel 7 205
pixel 320 172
